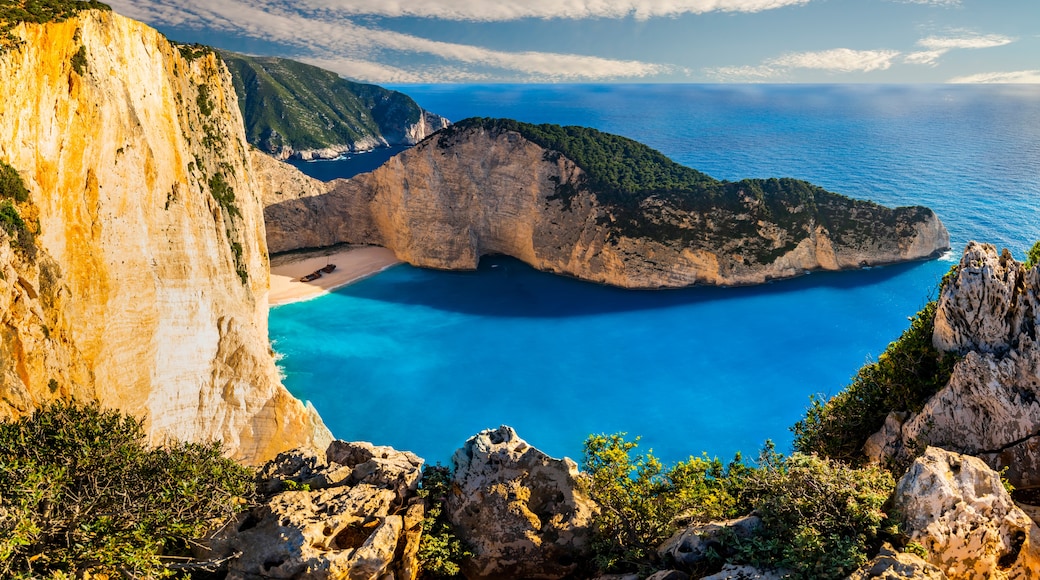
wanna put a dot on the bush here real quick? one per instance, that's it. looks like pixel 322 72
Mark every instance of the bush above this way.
pixel 81 491
pixel 820 518
pixel 1033 256
pixel 440 551
pixel 12 223
pixel 909 372
pixel 11 185
pixel 642 503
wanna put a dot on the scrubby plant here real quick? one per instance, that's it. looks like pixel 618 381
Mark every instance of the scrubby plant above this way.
pixel 820 517
pixel 902 379
pixel 11 184
pixel 81 491
pixel 642 502
pixel 440 551
pixel 79 60
pixel 1033 256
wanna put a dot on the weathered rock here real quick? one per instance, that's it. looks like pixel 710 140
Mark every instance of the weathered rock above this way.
pixel 151 292
pixel 522 512
pixel 365 524
pixel 692 548
pixel 890 564
pixel 735 572
pixel 668 575
pixel 473 191
pixel 990 407
pixel 957 508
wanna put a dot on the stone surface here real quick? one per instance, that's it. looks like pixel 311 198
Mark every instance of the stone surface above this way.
pixel 668 575
pixel 956 507
pixel 452 199
pixel 892 565
pixel 152 295
pixel 990 407
pixel 735 572
pixel 522 512
pixel 366 525
pixel 690 549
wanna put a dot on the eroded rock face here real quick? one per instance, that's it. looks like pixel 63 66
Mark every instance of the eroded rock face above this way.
pixel 359 519
pixel 990 407
pixel 152 291
pixel 522 512
pixel 890 564
pixel 956 507
pixel 471 192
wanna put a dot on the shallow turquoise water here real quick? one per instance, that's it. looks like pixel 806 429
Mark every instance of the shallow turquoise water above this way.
pixel 421 360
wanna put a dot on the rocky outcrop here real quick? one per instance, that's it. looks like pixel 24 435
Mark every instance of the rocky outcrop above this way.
pixel 698 547
pixel 150 294
pixel 892 565
pixel 522 513
pixel 990 407
pixel 956 507
pixel 352 514
pixel 475 190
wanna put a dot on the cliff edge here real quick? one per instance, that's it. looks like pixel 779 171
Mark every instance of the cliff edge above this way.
pixel 148 288
pixel 599 207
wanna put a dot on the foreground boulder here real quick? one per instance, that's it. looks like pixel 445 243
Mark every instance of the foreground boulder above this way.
pixel 892 565
pixel 697 547
pixel 990 408
pixel 958 509
pixel 522 513
pixel 353 514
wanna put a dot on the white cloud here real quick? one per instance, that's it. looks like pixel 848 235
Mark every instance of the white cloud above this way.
pixel 1013 77
pixel 936 46
pixel 747 74
pixel 924 56
pixel 837 60
pixel 504 10
pixel 348 48
pixel 932 2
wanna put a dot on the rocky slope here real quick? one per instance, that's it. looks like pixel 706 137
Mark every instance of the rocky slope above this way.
pixel 487 187
pixel 149 289
pixel 293 109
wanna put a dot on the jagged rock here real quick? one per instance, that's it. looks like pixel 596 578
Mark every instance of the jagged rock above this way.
pixel 990 407
pixel 364 520
pixel 522 512
pixel 478 189
pixel 735 572
pixel 890 564
pixel 977 305
pixel 691 548
pixel 668 575
pixel 957 508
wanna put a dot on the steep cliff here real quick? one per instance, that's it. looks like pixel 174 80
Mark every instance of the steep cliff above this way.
pixel 598 207
pixel 149 289
pixel 295 109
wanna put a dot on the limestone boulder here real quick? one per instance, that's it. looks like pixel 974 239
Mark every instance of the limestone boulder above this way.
pixel 523 513
pixel 957 508
pixel 890 564
pixel 692 548
pixel 740 572
pixel 353 514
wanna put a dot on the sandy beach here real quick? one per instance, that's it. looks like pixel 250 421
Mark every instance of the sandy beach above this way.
pixel 352 264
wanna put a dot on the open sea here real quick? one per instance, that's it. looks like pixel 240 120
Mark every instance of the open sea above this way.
pixel 422 360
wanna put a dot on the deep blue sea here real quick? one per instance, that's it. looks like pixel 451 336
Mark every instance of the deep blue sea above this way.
pixel 421 360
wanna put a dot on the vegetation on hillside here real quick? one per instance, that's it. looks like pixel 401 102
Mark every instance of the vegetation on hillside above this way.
pixel 441 552
pixel 14 12
pixel 819 518
pixel 81 491
pixel 1033 256
pixel 290 104
pixel 13 192
pixel 902 379
pixel 641 188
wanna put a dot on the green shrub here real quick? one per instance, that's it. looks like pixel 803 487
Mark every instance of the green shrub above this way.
pixel 1033 256
pixel 12 223
pixel 81 491
pixel 642 503
pixel 440 551
pixel 909 372
pixel 820 518
pixel 11 184
pixel 79 60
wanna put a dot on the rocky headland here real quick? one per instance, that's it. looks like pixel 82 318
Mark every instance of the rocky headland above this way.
pixel 598 207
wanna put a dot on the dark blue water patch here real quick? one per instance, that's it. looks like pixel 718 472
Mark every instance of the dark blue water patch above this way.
pixel 348 165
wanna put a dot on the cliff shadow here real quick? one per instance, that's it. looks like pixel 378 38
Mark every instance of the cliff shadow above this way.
pixel 505 287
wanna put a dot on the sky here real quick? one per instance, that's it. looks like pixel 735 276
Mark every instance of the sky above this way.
pixel 629 41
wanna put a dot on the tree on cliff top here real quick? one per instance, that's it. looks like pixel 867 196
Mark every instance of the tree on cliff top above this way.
pixel 81 491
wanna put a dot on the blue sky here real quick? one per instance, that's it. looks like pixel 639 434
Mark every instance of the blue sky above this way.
pixel 774 41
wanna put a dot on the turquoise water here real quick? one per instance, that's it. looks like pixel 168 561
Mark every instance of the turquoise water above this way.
pixel 421 360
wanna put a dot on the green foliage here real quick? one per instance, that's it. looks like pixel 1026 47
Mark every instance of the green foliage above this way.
pixel 11 185
pixel 440 551
pixel 81 491
pixel 191 52
pixel 642 502
pixel 1033 256
pixel 909 372
pixel 79 60
pixel 820 518
pixel 222 191
pixel 288 103
pixel 14 12
pixel 12 223
pixel 203 101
